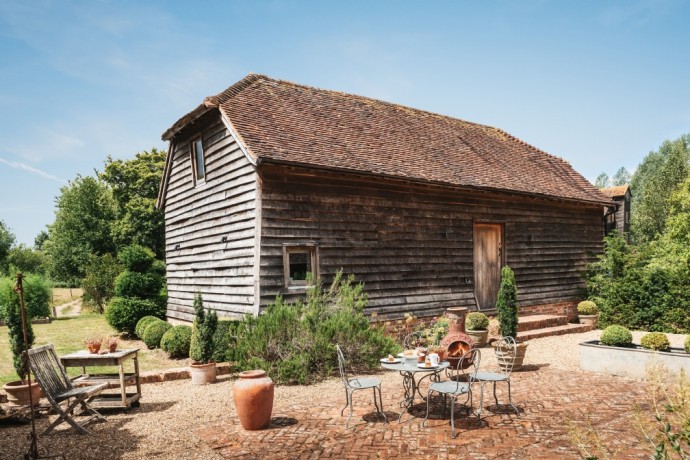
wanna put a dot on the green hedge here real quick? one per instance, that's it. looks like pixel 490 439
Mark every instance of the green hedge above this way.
pixel 37 292
pixel 154 333
pixel 124 313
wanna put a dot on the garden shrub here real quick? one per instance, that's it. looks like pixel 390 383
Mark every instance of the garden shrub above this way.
pixel 476 321
pixel 37 292
pixel 203 330
pixel 136 258
pixel 507 305
pixel 154 333
pixel 99 282
pixel 655 341
pixel 222 349
pixel 13 319
pixel 142 323
pixel 176 341
pixel 140 285
pixel 295 343
pixel 616 336
pixel 124 313
pixel 587 307
pixel 686 344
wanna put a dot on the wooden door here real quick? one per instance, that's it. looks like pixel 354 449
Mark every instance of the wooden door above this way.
pixel 488 257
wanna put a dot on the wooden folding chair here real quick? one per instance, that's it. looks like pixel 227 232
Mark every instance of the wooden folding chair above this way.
pixel 58 387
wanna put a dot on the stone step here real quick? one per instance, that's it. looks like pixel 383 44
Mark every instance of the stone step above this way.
pixel 554 330
pixel 531 322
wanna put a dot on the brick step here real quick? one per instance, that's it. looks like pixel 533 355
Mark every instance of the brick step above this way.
pixel 531 322
pixel 554 330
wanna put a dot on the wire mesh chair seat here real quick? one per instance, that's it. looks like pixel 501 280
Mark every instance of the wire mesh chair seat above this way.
pixel 57 388
pixel 353 384
pixel 506 350
pixel 459 385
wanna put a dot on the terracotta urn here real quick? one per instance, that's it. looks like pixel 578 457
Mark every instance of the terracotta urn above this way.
pixel 253 396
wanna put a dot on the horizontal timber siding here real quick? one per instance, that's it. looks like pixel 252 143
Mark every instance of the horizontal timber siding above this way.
pixel 198 218
pixel 412 245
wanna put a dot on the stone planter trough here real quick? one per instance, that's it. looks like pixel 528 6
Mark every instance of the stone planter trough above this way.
pixel 629 362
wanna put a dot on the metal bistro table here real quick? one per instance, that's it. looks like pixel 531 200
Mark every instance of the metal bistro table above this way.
pixel 119 381
pixel 409 370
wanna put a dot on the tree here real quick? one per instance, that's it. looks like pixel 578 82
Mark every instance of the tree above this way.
pixel 99 283
pixel 621 177
pixel 659 175
pixel 84 215
pixel 26 260
pixel 40 239
pixel 7 239
pixel 602 181
pixel 135 184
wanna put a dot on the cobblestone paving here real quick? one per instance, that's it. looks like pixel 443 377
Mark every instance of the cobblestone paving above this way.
pixel 550 401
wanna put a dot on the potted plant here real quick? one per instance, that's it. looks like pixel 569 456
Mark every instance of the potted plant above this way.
pixel 93 344
pixel 18 391
pixel 476 326
pixel 588 313
pixel 507 307
pixel 203 369
pixel 110 343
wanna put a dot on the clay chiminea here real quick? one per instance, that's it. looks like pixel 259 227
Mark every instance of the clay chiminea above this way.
pixel 456 342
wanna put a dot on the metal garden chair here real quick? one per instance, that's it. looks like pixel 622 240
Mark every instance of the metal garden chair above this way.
pixel 58 388
pixel 460 384
pixel 414 340
pixel 357 383
pixel 506 349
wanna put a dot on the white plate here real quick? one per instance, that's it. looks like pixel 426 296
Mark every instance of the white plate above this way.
pixel 425 367
pixel 395 361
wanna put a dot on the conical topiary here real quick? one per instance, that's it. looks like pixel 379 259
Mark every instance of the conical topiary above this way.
pixel 203 330
pixel 507 304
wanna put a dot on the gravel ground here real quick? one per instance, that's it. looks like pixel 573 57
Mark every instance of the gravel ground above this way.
pixel 163 427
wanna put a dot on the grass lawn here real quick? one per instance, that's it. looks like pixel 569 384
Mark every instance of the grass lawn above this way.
pixel 68 335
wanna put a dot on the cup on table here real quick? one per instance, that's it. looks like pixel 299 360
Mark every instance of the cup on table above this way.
pixel 434 359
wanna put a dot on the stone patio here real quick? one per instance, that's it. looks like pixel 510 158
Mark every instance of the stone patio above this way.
pixel 550 401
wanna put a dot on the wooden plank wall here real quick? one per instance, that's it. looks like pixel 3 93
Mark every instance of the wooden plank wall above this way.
pixel 198 218
pixel 412 245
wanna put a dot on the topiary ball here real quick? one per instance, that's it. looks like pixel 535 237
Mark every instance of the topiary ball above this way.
pixel 124 313
pixel 154 333
pixel 142 323
pixel 176 341
pixel 140 285
pixel 587 307
pixel 136 258
pixel 477 321
pixel 616 336
pixel 655 341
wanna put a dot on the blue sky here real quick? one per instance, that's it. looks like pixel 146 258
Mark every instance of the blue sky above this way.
pixel 599 84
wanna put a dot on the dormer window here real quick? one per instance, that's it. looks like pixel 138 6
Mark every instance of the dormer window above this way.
pixel 198 165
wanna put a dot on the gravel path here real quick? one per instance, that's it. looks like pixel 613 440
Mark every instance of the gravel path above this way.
pixel 170 412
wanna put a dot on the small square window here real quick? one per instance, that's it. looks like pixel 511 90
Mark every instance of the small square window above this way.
pixel 198 165
pixel 298 262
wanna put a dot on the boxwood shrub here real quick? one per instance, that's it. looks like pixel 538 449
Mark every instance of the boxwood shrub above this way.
pixel 655 341
pixel 476 321
pixel 142 323
pixel 136 258
pixel 587 307
pixel 616 336
pixel 154 333
pixel 175 341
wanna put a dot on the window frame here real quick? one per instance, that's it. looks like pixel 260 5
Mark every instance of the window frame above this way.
pixel 312 249
pixel 193 154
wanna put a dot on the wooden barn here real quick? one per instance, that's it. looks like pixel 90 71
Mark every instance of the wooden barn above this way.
pixel 269 180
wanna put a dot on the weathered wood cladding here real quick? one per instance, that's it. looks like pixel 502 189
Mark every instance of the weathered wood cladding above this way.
pixel 210 228
pixel 412 245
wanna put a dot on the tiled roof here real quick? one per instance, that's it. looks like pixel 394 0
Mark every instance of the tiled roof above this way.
pixel 613 192
pixel 284 122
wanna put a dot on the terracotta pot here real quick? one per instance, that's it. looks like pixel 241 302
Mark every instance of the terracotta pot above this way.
pixel 479 337
pixel 18 393
pixel 504 358
pixel 253 396
pixel 93 349
pixel 203 374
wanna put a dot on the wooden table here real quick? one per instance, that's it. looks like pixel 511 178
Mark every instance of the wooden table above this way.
pixel 119 381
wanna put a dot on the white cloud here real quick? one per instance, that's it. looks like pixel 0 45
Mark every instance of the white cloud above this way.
pixel 31 169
